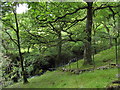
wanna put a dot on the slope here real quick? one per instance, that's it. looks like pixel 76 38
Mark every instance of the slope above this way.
pixel 92 79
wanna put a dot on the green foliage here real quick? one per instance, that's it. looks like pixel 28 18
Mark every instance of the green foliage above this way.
pixel 30 60
pixel 77 46
pixel 47 25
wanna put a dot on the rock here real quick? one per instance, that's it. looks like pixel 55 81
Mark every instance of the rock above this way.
pixel 102 67
pixel 113 64
pixel 62 69
pixel 115 85
pixel 117 81
pixel 83 70
pixel 77 72
pixel 80 72
pixel 118 75
pixel 118 65
pixel 71 70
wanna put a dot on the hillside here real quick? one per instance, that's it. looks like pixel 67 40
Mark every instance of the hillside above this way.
pixel 103 58
pixel 57 79
pixel 93 79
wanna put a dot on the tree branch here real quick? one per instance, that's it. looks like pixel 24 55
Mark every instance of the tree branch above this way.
pixel 13 28
pixel 54 29
pixel 98 8
pixel 62 16
pixel 76 21
pixel 11 38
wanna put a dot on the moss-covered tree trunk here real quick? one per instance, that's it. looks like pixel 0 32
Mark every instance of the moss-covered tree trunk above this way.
pixel 87 44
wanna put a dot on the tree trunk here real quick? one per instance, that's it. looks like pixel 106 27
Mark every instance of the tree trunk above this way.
pixel 19 48
pixel 23 70
pixel 116 51
pixel 110 39
pixel 59 48
pixel 28 51
pixel 87 44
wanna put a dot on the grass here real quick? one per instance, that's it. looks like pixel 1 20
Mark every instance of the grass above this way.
pixel 93 79
pixel 99 59
pixel 57 79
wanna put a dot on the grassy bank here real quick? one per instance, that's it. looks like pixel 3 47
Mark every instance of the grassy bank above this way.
pixel 58 79
pixel 93 79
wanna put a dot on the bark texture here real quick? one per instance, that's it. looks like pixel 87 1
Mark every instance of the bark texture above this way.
pixel 87 44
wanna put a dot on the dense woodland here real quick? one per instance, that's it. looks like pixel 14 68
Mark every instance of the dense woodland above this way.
pixel 50 35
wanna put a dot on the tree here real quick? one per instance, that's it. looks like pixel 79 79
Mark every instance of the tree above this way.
pixel 87 44
pixel 56 20
pixel 90 12
pixel 17 33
